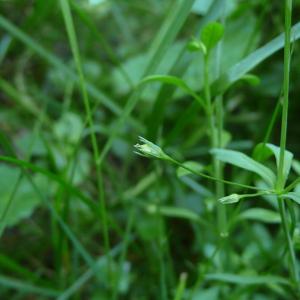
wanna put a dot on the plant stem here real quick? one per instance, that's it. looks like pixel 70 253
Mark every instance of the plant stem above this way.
pixel 286 82
pixel 285 226
pixel 284 121
pixel 215 135
pixel 65 7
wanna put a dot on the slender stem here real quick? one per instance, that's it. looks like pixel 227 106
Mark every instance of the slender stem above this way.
pixel 281 176
pixel 286 83
pixel 215 142
pixel 65 7
pixel 220 189
pixel 285 226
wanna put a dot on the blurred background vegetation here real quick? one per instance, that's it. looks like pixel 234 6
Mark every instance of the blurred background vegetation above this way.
pixel 160 225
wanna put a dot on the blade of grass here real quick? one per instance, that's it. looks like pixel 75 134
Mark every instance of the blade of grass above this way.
pixel 25 287
pixel 65 8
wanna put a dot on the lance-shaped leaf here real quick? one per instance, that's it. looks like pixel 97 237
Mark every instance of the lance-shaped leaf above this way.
pixel 243 161
pixel 293 196
pixel 260 214
pixel 264 151
pixel 176 81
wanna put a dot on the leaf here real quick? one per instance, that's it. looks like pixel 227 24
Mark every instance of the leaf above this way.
pixel 247 279
pixel 173 80
pixel 251 61
pixel 211 34
pixel 251 79
pixel 260 214
pixel 15 205
pixel 201 7
pixel 245 162
pixel 296 166
pixel 174 212
pixel 169 80
pixel 191 165
pixel 292 196
pixel 68 128
pixel 264 151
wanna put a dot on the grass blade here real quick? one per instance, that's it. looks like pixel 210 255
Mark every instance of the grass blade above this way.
pixel 26 287
pixel 65 7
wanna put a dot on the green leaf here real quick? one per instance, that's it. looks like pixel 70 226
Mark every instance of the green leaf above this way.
pixel 247 279
pixel 169 80
pixel 174 212
pixel 193 165
pixel 251 61
pixel 245 162
pixel 211 34
pixel 19 204
pixel 251 79
pixel 260 214
pixel 173 80
pixel 296 166
pixel 293 196
pixel 68 128
pixel 264 151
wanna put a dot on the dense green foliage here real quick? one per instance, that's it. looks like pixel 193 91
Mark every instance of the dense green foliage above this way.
pixel 205 91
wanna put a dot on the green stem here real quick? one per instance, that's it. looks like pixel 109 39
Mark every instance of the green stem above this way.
pixel 281 176
pixel 285 227
pixel 65 7
pixel 286 83
pixel 215 140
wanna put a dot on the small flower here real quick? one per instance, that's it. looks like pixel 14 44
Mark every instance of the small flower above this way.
pixel 149 149
pixel 233 198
